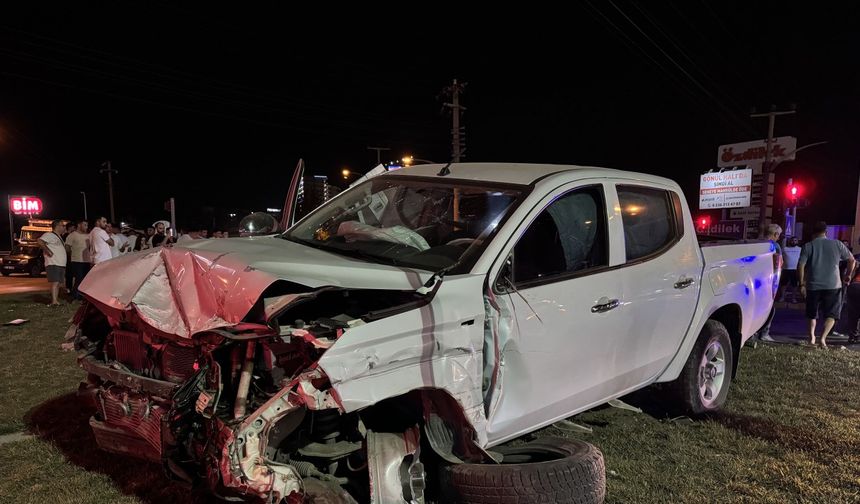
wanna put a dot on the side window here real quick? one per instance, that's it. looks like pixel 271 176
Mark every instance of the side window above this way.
pixel 567 237
pixel 648 217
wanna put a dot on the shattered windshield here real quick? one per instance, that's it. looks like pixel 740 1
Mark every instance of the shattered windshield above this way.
pixel 410 221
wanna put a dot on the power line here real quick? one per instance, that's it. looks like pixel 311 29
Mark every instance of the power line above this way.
pixel 678 47
pixel 633 45
pixel 680 67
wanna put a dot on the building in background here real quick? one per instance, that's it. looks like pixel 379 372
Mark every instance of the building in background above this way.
pixel 314 190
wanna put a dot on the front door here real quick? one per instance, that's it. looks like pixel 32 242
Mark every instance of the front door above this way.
pixel 570 323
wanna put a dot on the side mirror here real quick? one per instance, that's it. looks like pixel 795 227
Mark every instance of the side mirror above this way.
pixel 505 280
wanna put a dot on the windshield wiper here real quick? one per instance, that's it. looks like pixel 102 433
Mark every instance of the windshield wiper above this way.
pixel 354 253
pixel 435 281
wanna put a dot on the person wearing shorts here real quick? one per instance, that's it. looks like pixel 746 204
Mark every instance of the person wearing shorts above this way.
pixel 55 258
pixel 820 281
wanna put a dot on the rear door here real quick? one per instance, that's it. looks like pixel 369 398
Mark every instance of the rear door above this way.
pixel 662 271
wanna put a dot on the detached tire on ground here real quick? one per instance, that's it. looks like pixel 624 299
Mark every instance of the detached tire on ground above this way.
pixel 703 384
pixel 550 470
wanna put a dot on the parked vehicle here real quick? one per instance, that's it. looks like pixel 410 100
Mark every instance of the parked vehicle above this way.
pixel 386 346
pixel 24 258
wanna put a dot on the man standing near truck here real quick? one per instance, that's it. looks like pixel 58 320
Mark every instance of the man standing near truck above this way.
pixel 100 242
pixel 77 245
pixel 55 258
pixel 773 233
pixel 819 278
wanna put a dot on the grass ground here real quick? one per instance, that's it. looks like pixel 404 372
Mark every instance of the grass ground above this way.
pixel 790 432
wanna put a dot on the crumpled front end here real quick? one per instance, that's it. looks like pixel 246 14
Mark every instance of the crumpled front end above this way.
pixel 212 369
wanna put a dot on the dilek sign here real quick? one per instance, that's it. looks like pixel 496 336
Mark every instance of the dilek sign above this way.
pixel 25 205
pixel 755 152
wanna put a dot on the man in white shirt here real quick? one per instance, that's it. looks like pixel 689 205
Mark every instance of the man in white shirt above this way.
pixel 788 280
pixel 120 241
pixel 131 237
pixel 55 258
pixel 100 242
pixel 77 246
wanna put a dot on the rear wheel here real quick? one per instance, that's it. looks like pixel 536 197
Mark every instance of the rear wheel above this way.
pixel 36 270
pixel 703 385
pixel 554 470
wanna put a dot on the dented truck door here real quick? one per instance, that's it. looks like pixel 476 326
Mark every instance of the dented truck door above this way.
pixel 569 316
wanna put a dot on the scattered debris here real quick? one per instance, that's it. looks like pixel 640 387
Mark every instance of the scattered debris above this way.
pixel 569 426
pixel 617 403
pixel 17 321
pixel 681 418
pixel 612 473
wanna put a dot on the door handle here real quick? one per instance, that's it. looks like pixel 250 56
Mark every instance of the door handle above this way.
pixel 605 304
pixel 683 283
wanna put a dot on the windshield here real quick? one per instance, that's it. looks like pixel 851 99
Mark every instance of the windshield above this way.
pixel 25 250
pixel 31 236
pixel 409 221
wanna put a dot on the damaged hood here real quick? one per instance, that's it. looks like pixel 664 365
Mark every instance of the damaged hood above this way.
pixel 206 284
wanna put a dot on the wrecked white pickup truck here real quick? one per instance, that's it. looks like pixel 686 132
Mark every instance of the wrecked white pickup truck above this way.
pixel 383 347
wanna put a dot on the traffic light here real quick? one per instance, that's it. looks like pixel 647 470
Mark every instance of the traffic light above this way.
pixel 793 190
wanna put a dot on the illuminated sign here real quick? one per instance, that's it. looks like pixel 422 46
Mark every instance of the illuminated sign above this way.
pixel 728 189
pixel 747 153
pixel 25 205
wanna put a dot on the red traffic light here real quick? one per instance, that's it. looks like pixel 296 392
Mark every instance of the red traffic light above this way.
pixel 793 190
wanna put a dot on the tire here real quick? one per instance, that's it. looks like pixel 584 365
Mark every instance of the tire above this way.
pixel 698 389
pixel 36 271
pixel 566 471
pixel 5 273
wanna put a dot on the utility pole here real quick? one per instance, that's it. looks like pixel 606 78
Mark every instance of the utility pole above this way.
pixel 110 171
pixel 766 167
pixel 378 153
pixel 458 133
pixel 85 205
pixel 11 224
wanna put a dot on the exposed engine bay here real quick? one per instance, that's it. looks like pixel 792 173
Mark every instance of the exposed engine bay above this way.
pixel 246 409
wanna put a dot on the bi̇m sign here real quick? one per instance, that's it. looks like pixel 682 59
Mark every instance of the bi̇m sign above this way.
pixel 25 205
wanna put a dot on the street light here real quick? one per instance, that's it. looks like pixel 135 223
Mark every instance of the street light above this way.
pixel 408 160
pixel 770 169
pixel 795 151
pixel 85 204
pixel 346 172
pixel 791 218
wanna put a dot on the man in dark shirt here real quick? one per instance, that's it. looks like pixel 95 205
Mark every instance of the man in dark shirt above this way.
pixel 820 280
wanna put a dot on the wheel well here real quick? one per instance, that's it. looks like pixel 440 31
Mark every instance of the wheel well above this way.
pixel 731 318
pixel 396 414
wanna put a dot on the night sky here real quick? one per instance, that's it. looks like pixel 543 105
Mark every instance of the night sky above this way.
pixel 216 107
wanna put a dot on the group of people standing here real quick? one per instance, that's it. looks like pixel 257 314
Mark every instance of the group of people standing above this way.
pixel 822 273
pixel 71 249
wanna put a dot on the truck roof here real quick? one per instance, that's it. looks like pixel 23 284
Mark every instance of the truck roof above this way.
pixel 520 173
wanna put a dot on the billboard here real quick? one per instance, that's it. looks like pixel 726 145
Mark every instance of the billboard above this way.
pixel 25 205
pixel 746 153
pixel 728 189
pixel 728 228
